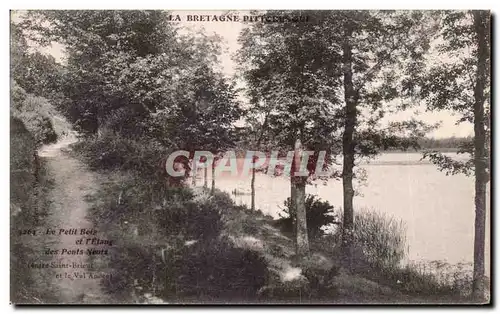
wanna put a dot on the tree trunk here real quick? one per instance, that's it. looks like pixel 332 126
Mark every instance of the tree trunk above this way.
pixel 252 186
pixel 302 237
pixel 299 185
pixel 193 172
pixel 36 185
pixel 481 22
pixel 293 197
pixel 348 146
pixel 213 177
pixel 205 179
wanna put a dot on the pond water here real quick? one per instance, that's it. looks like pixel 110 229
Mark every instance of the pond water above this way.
pixel 438 210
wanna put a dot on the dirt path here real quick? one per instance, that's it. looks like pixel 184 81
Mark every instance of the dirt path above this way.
pixel 69 209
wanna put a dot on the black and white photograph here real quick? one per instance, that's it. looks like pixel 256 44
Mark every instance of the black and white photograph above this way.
pixel 335 157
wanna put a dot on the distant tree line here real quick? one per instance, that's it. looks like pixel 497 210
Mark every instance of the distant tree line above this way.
pixel 446 144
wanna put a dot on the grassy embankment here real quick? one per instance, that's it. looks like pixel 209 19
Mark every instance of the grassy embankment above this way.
pixel 33 123
pixel 30 185
pixel 175 244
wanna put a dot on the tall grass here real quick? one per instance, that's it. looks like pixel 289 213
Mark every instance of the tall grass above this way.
pixel 438 277
pixel 379 238
pixel 380 254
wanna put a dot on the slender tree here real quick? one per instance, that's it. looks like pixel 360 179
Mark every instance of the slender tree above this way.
pixel 380 52
pixel 481 27
pixel 256 135
pixel 462 85
pixel 286 70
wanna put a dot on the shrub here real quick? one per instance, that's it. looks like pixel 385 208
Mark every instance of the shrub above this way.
pixel 190 220
pixel 178 194
pixel 223 201
pixel 154 207
pixel 40 126
pixel 217 270
pixel 319 214
pixel 250 227
pixel 34 113
pixel 114 152
pixel 379 240
pixel 138 266
pixel 321 281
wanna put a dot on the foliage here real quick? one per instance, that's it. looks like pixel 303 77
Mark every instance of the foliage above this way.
pixel 459 143
pixel 139 89
pixel 294 75
pixel 132 72
pixel 380 252
pixel 36 73
pixel 216 270
pixel 32 77
pixel 319 214
pixel 22 145
pixel 448 164
pixel 111 151
pixel 449 85
pixel 176 250
pixel 460 82
pixel 30 110
pixel 190 220
pixel 330 82
pixel 379 241
pixel 30 127
pixel 205 120
pixel 29 190
pixel 97 58
pixel 436 277
pixel 289 77
pixel 453 144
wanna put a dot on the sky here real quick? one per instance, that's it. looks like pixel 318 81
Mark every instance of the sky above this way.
pixel 229 32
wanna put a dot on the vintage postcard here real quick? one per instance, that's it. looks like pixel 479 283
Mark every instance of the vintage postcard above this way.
pixel 261 157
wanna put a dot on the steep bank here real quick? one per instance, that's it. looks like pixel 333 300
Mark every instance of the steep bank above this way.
pixel 62 281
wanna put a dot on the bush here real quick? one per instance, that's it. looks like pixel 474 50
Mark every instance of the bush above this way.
pixel 138 268
pixel 223 201
pixel 152 205
pixel 114 152
pixel 319 214
pixel 34 113
pixel 215 270
pixel 41 127
pixel 190 220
